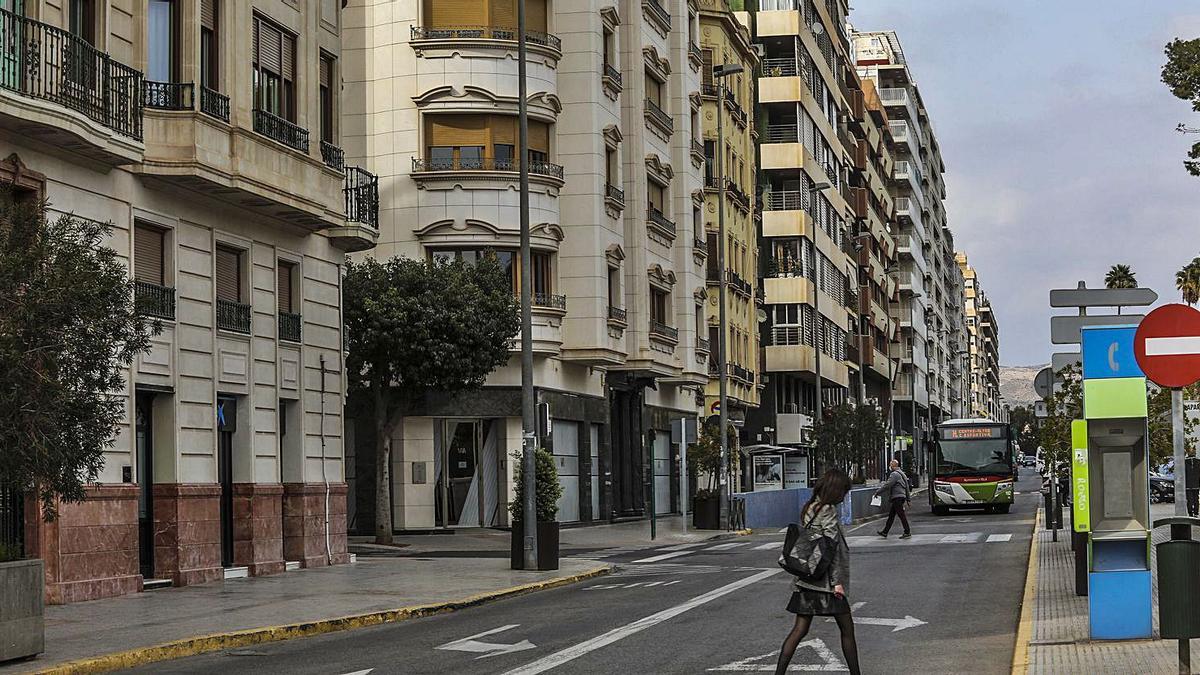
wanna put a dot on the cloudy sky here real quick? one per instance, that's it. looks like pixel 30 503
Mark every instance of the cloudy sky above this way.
pixel 1059 142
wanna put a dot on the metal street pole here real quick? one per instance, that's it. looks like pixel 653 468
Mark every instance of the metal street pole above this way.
pixel 912 324
pixel 528 399
pixel 1180 461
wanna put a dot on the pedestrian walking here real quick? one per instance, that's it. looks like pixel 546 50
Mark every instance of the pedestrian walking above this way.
pixel 896 490
pixel 824 593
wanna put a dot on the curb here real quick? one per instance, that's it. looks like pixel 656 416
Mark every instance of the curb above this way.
pixel 210 643
pixel 1020 661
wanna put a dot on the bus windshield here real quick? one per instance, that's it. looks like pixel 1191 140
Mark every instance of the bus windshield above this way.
pixel 975 456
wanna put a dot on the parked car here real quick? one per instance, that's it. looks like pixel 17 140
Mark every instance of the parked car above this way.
pixel 1162 488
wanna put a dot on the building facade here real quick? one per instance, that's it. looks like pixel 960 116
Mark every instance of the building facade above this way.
pixel 983 340
pixel 187 126
pixel 724 41
pixel 616 203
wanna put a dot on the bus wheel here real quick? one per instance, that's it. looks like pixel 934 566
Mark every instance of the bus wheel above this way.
pixel 1004 508
pixel 941 510
pixel 989 509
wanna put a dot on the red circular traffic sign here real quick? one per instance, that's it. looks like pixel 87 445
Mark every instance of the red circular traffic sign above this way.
pixel 1167 346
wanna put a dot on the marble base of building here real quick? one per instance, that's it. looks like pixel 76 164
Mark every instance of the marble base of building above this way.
pixel 304 524
pixel 91 549
pixel 258 527
pixel 187 533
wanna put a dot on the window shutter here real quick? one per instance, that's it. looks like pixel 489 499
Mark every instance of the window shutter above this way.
pixel 288 57
pixel 706 72
pixel 284 286
pixel 229 285
pixel 269 52
pixel 457 130
pixel 714 272
pixel 148 254
pixel 539 137
pixel 208 14
pixel 326 70
pixel 535 15
pixel 504 130
pixel 504 14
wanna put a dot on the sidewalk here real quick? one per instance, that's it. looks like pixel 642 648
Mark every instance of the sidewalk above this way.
pixel 385 584
pixel 1057 630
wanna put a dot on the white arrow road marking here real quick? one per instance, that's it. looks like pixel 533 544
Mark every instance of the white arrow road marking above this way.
pixel 726 547
pixel 473 645
pixel 829 661
pixel 664 556
pixel 998 537
pixel 1184 345
pixel 572 653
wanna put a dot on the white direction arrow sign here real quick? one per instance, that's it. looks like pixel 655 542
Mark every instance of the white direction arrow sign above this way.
pixel 485 649
pixel 827 661
pixel 896 624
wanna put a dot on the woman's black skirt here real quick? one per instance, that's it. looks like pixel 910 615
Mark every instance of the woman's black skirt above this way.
pixel 816 603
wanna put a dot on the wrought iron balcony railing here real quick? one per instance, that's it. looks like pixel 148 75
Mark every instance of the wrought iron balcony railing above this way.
pixel 362 197
pixel 735 109
pixel 485 164
pixel 485 33
pixel 712 183
pixel 43 62
pixel 333 156
pixel 154 300
pixel 738 284
pixel 708 90
pixel 233 316
pixel 614 193
pixel 658 12
pixel 612 74
pixel 702 345
pixel 659 116
pixel 289 326
pixel 280 130
pixel 694 52
pixel 168 95
pixel 662 329
pixel 655 216
pixel 550 300
pixel 616 313
pixel 214 104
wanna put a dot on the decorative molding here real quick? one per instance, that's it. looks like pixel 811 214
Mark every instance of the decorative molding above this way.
pixel 615 254
pixel 695 100
pixel 15 172
pixel 611 16
pixel 698 197
pixel 701 293
pixel 544 106
pixel 551 230
pixel 660 66
pixel 660 171
pixel 612 136
pixel 660 277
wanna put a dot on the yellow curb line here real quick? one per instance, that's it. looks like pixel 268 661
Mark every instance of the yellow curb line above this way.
pixel 242 638
pixel 1025 625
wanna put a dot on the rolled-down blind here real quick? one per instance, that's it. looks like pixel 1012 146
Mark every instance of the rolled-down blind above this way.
pixel 453 13
pixel 268 47
pixel 148 254
pixel 285 286
pixel 539 137
pixel 326 70
pixel 288 57
pixel 535 15
pixel 208 14
pixel 457 130
pixel 504 14
pixel 229 286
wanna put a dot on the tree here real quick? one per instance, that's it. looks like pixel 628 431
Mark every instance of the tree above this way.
pixel 69 329
pixel 1063 407
pixel 418 326
pixel 547 489
pixel 1187 281
pixel 1023 421
pixel 1182 75
pixel 848 436
pixel 1120 276
pixel 705 457
pixel 1158 419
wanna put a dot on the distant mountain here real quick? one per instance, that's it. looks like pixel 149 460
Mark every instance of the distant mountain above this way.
pixel 1016 384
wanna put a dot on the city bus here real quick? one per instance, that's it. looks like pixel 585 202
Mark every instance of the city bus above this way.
pixel 972 466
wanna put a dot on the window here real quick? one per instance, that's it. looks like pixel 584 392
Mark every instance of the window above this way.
pixel 614 287
pixel 473 142
pixel 657 195
pixel 274 70
pixel 542 272
pixel 697 223
pixel 710 159
pixel 82 20
pixel 660 306
pixel 610 167
pixel 162 41
pixel 700 321
pixel 608 48
pixel 713 267
pixel 286 279
pixel 654 90
pixel 149 254
pixel 327 98
pixel 209 45
pixel 229 274
pixel 706 71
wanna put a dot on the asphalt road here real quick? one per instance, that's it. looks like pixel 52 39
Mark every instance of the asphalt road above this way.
pixel 946 601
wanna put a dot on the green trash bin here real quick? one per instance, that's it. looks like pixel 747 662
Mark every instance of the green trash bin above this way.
pixel 1179 580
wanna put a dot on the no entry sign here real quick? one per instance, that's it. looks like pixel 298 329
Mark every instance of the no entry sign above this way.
pixel 1167 346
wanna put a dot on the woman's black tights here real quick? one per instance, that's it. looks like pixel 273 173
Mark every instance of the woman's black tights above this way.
pixel 849 646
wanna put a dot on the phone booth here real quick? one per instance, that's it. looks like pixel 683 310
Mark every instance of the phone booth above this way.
pixel 1110 485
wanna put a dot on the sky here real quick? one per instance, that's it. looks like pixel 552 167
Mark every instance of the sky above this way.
pixel 1059 141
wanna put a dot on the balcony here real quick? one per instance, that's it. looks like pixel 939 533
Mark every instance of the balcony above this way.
pixel 233 316
pixel 659 221
pixel 708 90
pixel 698 156
pixel 782 133
pixel 899 97
pixel 616 315
pixel 289 327
pixel 735 109
pixel 695 56
pixel 780 67
pixel 738 284
pixel 611 79
pixel 703 346
pixel 333 156
pixel 360 192
pixel 214 104
pixel 786 200
pixel 614 196
pixel 154 300
pixel 734 193
pixel 550 301
pixel 662 330
pixel 455 169
pixel 168 95
pixel 659 17
pixel 658 119
pixel 58 88
pixel 481 36
pixel 740 373
pixel 280 130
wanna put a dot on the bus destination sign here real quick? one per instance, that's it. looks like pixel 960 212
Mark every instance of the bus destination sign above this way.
pixel 964 433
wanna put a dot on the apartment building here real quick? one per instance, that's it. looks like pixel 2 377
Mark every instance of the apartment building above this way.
pixel 725 41
pixel 928 388
pixel 983 340
pixel 616 204
pixel 187 125
pixel 811 279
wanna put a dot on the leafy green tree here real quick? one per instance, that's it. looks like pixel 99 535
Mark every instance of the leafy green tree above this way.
pixel 1063 407
pixel 1182 75
pixel 418 326
pixel 1158 419
pixel 69 329
pixel 1187 281
pixel 1120 276
pixel 1024 424
pixel 848 437
pixel 705 457
pixel 547 489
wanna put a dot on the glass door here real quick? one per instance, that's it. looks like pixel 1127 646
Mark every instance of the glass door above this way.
pixel 144 462
pixel 662 472
pixel 458 477
pixel 226 426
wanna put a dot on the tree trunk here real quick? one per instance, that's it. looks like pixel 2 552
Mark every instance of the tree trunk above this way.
pixel 383 464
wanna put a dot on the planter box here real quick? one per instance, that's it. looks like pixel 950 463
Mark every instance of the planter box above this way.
pixel 706 513
pixel 547 546
pixel 22 592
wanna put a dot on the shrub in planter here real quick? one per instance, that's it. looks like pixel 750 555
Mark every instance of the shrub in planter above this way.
pixel 547 490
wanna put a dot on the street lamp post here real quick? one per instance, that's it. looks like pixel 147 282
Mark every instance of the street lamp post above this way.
pixel 720 72
pixel 912 385
pixel 528 399
pixel 819 328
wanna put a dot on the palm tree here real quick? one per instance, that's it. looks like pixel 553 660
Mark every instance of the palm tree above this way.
pixel 1120 276
pixel 1187 280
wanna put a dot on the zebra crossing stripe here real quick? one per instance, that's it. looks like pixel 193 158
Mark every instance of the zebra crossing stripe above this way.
pixel 999 537
pixel 767 546
pixel 664 556
pixel 726 547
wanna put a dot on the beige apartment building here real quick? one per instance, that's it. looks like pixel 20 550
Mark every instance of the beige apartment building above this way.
pixel 725 40
pixel 616 210
pixel 983 341
pixel 206 133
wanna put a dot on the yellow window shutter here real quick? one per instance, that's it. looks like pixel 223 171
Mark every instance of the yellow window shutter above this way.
pixel 504 13
pixel 535 16
pixel 539 136
pixel 504 130
pixel 457 130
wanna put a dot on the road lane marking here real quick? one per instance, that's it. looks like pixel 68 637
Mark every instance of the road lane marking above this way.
pixel 681 547
pixel 763 663
pixel 485 649
pixel 726 547
pixel 767 547
pixel 588 646
pixel 896 624
pixel 998 537
pixel 664 556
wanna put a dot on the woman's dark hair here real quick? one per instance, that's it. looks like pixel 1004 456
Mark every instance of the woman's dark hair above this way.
pixel 830 489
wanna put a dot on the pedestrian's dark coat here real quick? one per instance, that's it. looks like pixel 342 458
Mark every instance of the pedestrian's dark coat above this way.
pixel 827 522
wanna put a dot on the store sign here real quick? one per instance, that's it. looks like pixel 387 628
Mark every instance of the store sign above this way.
pixel 768 472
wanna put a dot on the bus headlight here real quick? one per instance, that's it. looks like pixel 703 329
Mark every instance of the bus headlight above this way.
pixel 1006 486
pixel 944 488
